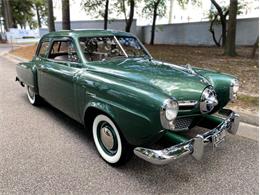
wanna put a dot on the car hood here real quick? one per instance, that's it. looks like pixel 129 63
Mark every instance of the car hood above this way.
pixel 175 81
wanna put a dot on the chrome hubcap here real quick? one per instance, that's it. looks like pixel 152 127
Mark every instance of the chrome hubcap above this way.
pixel 107 138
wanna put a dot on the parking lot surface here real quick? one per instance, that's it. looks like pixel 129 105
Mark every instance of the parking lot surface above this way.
pixel 43 151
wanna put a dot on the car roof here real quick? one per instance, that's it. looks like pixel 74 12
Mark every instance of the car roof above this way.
pixel 86 33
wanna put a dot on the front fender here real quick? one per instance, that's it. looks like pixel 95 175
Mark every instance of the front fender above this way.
pixel 136 128
pixel 221 83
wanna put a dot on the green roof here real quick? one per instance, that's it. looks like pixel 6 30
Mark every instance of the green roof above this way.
pixel 87 32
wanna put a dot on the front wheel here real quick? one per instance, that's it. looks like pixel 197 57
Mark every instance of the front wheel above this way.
pixel 33 98
pixel 111 146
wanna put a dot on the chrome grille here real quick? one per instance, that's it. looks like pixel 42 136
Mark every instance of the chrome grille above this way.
pixel 183 123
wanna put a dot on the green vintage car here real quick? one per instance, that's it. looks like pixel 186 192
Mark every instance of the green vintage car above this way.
pixel 132 103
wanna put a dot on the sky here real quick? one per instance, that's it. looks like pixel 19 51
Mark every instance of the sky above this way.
pixel 179 15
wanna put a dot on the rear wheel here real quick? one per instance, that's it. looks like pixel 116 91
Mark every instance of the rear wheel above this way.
pixel 111 146
pixel 33 98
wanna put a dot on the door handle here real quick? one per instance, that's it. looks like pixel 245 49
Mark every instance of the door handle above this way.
pixel 43 68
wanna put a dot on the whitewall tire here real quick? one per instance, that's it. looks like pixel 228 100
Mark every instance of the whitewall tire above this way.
pixel 111 146
pixel 33 98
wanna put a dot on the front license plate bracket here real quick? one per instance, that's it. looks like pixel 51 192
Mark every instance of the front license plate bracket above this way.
pixel 218 138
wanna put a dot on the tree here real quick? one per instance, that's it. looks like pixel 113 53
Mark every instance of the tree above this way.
pixel 65 14
pixel 155 8
pixel 218 14
pixel 230 46
pixel 222 13
pixel 121 7
pixel 41 11
pixel 51 25
pixel 7 15
pixel 23 13
pixel 98 8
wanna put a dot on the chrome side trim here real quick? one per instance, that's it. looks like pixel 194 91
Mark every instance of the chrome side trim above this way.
pixel 194 146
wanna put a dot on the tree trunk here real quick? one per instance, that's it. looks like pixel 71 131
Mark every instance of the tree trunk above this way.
pixel 8 16
pixel 211 29
pixel 4 15
pixel 154 22
pixel 223 20
pixel 38 16
pixel 65 14
pixel 256 45
pixel 106 15
pixel 51 25
pixel 230 46
pixel 131 16
pixel 224 31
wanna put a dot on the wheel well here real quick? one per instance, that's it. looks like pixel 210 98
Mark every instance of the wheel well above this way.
pixel 90 114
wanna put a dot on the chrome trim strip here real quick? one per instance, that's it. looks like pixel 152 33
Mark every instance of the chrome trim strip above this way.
pixel 187 103
pixel 121 47
pixel 194 146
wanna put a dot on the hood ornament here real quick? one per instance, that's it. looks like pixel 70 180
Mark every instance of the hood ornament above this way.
pixel 189 68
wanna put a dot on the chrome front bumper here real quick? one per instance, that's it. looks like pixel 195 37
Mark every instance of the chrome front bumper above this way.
pixel 194 146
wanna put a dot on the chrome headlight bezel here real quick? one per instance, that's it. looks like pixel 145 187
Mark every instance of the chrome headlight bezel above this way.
pixel 208 100
pixel 168 113
pixel 233 90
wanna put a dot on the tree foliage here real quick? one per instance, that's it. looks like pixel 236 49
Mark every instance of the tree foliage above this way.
pixel 97 8
pixel 41 11
pixel 21 14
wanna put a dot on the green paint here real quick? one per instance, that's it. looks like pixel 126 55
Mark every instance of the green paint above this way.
pixel 130 90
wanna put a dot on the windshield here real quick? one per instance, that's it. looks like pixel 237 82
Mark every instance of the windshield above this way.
pixel 105 48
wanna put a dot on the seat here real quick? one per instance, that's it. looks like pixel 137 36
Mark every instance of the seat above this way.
pixel 62 58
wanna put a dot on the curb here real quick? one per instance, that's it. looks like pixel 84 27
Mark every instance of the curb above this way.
pixel 249 119
pixel 15 58
pixel 248 131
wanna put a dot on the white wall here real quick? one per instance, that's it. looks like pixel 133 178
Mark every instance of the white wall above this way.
pixel 197 33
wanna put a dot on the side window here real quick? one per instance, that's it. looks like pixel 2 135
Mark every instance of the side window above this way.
pixel 43 49
pixel 63 51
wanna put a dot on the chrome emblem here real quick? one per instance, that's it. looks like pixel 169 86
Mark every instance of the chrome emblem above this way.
pixel 208 100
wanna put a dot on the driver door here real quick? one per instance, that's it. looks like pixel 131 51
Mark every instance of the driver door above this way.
pixel 57 74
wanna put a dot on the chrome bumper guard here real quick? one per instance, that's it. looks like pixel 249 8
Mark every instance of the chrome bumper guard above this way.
pixel 194 146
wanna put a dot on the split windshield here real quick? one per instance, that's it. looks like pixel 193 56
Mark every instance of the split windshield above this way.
pixel 109 47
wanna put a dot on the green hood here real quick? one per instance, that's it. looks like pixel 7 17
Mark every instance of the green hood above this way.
pixel 175 81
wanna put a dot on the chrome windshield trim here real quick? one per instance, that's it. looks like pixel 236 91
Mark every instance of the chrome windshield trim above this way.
pixel 121 47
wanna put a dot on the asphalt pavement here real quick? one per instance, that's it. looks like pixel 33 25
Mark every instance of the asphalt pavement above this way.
pixel 43 151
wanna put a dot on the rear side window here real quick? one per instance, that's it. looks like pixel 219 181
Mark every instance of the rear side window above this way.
pixel 43 48
pixel 63 50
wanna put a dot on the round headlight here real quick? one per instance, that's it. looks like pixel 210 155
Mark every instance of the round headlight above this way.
pixel 235 85
pixel 171 109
